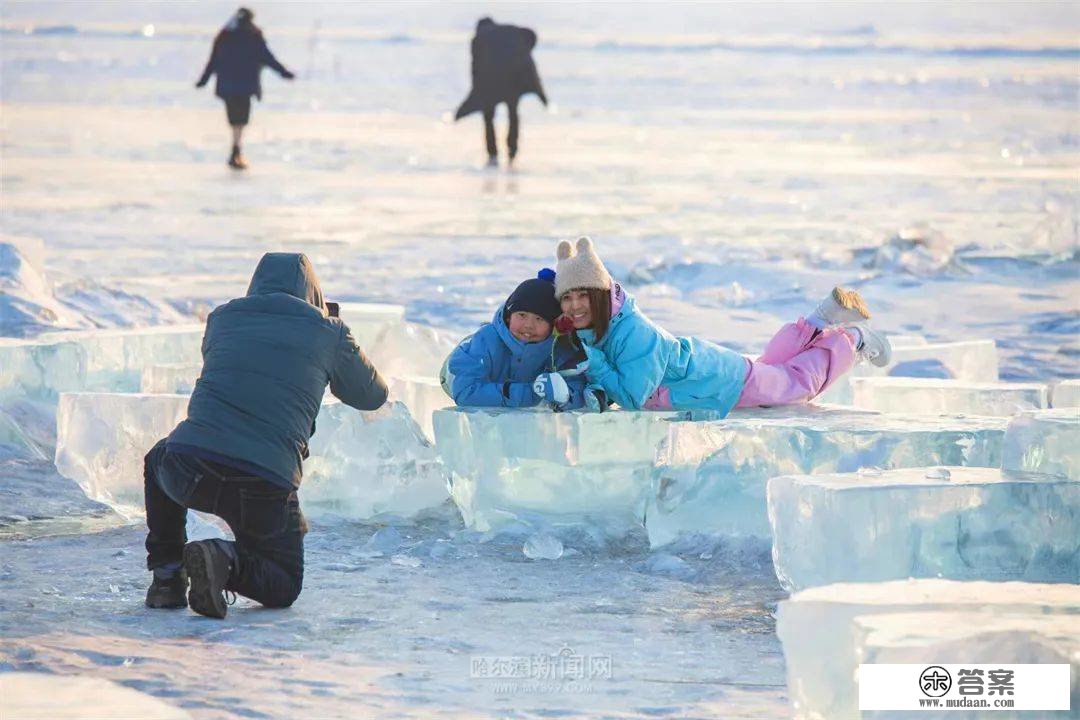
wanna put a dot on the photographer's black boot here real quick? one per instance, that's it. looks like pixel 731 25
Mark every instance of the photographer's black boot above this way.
pixel 168 592
pixel 208 564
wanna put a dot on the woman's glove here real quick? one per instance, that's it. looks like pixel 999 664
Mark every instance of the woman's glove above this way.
pixel 552 388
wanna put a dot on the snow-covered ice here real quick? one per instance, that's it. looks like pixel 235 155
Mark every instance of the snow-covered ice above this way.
pixel 362 464
pixel 68 697
pixel 1044 442
pixel 966 637
pixel 550 469
pixel 1066 394
pixel 927 159
pixel 932 396
pixel 963 524
pixel 971 361
pixel 710 477
pixel 819 635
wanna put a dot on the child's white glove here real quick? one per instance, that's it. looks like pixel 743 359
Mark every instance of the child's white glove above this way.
pixel 552 388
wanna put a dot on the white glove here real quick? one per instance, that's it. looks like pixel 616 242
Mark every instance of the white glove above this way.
pixel 552 388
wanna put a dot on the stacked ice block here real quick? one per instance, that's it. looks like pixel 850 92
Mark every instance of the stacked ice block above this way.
pixel 362 464
pixel 930 396
pixel 1066 394
pixel 1044 442
pixel 710 476
pixel 827 631
pixel 957 523
pixel 970 361
pixel 101 360
pixel 422 395
pixel 550 469
pixel 175 378
pixel 101 439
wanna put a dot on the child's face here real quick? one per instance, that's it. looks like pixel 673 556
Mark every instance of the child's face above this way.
pixel 527 327
pixel 575 305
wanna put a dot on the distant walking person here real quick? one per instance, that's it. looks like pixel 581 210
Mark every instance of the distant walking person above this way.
pixel 502 71
pixel 238 56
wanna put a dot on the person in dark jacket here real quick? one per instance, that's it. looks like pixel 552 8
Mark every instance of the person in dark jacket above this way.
pixel 267 360
pixel 238 56
pixel 502 71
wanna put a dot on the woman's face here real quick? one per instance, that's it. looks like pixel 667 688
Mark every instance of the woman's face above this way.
pixel 575 305
pixel 527 327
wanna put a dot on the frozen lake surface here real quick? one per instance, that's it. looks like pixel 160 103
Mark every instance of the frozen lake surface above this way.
pixel 732 165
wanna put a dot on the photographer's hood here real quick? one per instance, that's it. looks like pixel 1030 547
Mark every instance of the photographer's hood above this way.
pixel 289 273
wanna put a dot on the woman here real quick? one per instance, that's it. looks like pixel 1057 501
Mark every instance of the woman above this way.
pixel 238 56
pixel 641 366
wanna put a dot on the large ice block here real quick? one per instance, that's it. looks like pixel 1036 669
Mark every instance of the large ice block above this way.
pixel 1045 442
pixel 931 396
pixel 1066 394
pixel 710 477
pixel 957 523
pixel 969 361
pixel 104 360
pixel 367 320
pixel 101 439
pixel 176 378
pixel 966 638
pixel 550 469
pixel 362 464
pixel 370 464
pixel 422 395
pixel 818 632
pixel 405 349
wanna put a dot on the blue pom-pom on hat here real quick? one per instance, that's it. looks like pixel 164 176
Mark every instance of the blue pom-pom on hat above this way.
pixel 546 274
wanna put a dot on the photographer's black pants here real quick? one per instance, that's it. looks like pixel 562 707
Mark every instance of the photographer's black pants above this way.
pixel 265 519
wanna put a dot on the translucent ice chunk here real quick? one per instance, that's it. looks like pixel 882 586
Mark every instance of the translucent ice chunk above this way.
pixel 102 360
pixel 101 439
pixel 176 378
pixel 367 320
pixel 929 396
pixel 906 340
pixel 971 524
pixel 371 464
pixel 361 464
pixel 542 546
pixel 407 350
pixel 710 477
pixel 422 395
pixel 1066 394
pixel 818 632
pixel 969 361
pixel 964 638
pixel 548 468
pixel 1045 441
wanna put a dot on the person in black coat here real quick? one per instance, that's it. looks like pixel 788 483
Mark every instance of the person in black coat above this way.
pixel 238 56
pixel 502 71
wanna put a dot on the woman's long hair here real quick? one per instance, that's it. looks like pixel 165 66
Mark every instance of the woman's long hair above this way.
pixel 600 304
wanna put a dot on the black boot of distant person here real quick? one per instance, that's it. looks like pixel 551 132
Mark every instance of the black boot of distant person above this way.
pixel 236 159
pixel 169 590
pixel 209 564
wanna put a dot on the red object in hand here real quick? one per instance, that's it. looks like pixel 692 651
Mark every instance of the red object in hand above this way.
pixel 564 325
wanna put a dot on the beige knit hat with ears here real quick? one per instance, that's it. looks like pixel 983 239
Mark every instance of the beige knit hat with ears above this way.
pixel 579 269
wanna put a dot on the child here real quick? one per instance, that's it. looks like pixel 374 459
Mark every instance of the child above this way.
pixel 642 366
pixel 513 361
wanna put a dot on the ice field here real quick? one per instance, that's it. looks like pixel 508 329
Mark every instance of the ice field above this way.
pixel 732 164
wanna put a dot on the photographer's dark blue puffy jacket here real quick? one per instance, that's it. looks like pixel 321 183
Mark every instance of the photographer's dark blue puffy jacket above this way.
pixel 492 368
pixel 237 59
pixel 267 359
